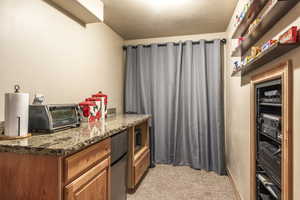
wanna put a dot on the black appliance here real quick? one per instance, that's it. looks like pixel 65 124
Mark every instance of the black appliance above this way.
pixel 271 125
pixel 271 96
pixel 269 138
pixel 119 149
pixel 270 158
pixel 270 190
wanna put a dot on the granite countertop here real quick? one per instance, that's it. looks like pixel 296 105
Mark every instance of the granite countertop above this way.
pixel 69 141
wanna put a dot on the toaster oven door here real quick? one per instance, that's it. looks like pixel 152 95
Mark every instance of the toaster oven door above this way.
pixel 63 116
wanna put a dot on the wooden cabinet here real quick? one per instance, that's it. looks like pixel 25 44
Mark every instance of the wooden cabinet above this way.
pixel 87 173
pixel 82 176
pixel 93 185
pixel 139 158
pixel 78 163
pixel 29 177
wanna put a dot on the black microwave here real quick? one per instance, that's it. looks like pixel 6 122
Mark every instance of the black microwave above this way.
pixel 52 118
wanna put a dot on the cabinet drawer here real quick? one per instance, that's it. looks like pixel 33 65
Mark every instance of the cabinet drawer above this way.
pixel 141 166
pixel 80 162
pixel 94 184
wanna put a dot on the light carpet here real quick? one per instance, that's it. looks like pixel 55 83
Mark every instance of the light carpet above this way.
pixel 166 182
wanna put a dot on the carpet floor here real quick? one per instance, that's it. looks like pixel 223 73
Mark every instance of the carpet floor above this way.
pixel 166 182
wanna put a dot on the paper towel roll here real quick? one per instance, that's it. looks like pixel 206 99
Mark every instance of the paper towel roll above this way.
pixel 16 114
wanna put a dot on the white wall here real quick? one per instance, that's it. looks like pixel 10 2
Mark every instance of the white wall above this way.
pixel 47 52
pixel 238 110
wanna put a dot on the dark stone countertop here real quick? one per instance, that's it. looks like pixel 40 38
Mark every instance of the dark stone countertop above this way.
pixel 70 141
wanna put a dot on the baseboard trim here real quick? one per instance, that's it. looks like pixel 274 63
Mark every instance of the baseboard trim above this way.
pixel 236 192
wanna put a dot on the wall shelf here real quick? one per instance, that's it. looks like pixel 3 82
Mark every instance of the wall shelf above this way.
pixel 280 8
pixel 253 11
pixel 267 56
pixel 85 11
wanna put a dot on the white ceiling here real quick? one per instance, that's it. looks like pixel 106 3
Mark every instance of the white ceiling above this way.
pixel 137 19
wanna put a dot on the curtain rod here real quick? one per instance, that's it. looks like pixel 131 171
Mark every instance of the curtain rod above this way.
pixel 176 43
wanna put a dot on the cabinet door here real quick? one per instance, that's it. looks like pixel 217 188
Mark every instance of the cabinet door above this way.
pixel 141 166
pixel 93 185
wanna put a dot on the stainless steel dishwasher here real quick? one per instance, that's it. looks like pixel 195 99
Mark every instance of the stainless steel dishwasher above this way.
pixel 119 149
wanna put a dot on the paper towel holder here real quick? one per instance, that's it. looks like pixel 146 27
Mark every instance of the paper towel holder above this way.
pixel 17 88
pixel 18 122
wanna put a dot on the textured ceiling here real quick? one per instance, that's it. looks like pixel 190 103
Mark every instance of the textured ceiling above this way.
pixel 137 19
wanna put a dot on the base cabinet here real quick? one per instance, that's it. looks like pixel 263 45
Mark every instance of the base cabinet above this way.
pixel 30 177
pixel 139 155
pixel 141 167
pixel 84 175
pixel 93 185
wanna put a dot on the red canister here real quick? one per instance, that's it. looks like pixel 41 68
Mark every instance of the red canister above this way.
pixel 101 95
pixel 88 111
pixel 97 101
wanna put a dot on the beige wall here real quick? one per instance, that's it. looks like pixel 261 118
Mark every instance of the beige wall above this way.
pixel 209 36
pixel 238 111
pixel 47 52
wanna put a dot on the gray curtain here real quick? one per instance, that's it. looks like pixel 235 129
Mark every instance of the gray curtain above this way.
pixel 181 86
